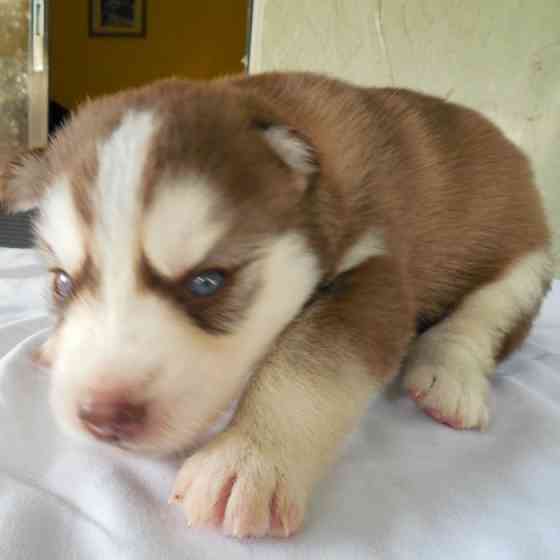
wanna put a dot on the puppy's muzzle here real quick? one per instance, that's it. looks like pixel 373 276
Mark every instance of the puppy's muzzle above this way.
pixel 113 419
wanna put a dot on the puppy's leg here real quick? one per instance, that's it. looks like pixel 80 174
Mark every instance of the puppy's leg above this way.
pixel 255 478
pixel 448 366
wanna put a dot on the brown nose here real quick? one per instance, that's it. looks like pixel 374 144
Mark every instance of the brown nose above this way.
pixel 112 420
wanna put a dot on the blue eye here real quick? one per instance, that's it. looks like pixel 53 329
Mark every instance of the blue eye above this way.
pixel 206 283
pixel 62 285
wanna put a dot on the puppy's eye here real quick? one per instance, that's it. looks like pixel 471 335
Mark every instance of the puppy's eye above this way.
pixel 62 285
pixel 206 283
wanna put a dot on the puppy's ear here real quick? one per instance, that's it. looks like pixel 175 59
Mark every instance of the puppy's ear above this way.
pixel 292 148
pixel 22 179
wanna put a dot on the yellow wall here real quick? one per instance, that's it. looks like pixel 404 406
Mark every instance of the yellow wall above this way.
pixel 191 38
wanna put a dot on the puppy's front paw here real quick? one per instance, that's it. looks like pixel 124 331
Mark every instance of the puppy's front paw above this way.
pixel 246 491
pixel 459 400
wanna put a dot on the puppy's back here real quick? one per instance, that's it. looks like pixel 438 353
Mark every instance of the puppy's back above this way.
pixel 472 208
pixel 455 199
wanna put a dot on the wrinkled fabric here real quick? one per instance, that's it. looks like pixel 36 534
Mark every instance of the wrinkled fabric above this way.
pixel 404 488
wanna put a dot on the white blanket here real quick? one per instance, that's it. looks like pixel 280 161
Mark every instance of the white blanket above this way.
pixel 405 487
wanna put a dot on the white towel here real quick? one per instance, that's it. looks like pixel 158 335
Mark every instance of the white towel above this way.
pixel 405 487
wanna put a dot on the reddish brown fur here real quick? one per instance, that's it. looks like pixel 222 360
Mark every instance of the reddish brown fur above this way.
pixel 453 197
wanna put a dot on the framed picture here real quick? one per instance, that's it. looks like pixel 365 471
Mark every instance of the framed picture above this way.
pixel 117 18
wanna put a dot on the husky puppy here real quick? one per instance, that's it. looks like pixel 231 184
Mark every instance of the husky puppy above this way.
pixel 253 258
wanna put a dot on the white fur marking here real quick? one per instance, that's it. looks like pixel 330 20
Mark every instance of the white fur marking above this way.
pixel 486 315
pixel 60 227
pixel 122 160
pixel 179 231
pixel 499 306
pixel 290 275
pixel 121 164
pixel 294 151
pixel 371 244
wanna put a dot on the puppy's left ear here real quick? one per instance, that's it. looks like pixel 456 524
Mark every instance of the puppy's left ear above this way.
pixel 22 179
pixel 292 148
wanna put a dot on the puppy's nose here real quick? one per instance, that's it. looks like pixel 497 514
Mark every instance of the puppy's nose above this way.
pixel 112 420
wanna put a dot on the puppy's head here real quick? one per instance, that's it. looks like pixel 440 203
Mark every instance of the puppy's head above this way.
pixel 170 220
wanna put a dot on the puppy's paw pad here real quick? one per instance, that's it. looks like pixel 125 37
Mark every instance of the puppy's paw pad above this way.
pixel 457 400
pixel 232 486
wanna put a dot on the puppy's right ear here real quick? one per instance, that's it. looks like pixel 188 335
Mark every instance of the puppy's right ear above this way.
pixel 23 178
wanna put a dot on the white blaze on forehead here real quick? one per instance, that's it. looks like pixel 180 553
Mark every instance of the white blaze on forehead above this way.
pixel 122 159
pixel 179 228
pixel 121 165
pixel 60 228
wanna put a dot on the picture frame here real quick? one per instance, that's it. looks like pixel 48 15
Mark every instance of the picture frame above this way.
pixel 117 18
